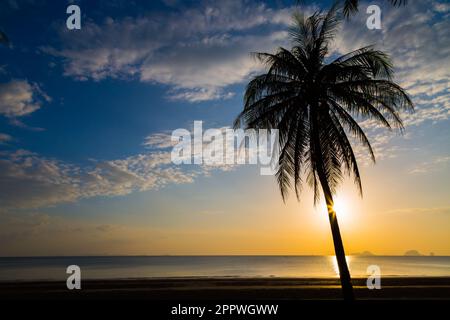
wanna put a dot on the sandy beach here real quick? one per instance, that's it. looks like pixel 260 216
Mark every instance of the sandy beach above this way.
pixel 229 289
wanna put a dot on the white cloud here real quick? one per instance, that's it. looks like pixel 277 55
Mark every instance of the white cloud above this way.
pixel 441 7
pixel 198 52
pixel 20 97
pixel 199 71
pixel 417 39
pixel 199 94
pixel 29 180
pixel 159 141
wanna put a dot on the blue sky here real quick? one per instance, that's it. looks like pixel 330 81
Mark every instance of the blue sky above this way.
pixel 85 116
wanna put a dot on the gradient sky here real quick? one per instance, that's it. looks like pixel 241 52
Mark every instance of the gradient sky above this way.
pixel 86 118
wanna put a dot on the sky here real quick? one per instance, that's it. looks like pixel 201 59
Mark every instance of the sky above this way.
pixel 86 118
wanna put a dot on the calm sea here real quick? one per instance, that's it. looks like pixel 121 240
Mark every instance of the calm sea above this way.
pixel 108 267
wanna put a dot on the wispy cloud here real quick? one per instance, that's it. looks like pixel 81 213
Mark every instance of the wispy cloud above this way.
pixel 29 180
pixel 422 210
pixel 417 39
pixel 20 97
pixel 159 141
pixel 33 233
pixel 198 52
pixel 429 166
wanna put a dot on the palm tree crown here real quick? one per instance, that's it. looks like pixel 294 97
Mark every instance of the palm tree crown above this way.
pixel 315 104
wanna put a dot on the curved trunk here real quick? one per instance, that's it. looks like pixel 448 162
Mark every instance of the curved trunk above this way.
pixel 344 274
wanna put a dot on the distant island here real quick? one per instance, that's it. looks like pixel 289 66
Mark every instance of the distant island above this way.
pixel 364 253
pixel 413 253
pixel 409 253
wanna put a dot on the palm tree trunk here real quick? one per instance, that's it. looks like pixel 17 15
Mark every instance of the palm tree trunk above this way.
pixel 344 274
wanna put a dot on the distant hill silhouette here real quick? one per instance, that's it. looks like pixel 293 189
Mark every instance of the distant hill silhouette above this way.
pixel 364 253
pixel 413 253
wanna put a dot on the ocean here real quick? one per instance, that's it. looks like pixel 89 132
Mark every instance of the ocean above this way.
pixel 129 267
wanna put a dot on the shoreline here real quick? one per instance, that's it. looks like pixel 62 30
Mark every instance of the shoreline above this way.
pixel 228 288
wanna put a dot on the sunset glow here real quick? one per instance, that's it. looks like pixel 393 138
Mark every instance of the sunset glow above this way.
pixel 86 123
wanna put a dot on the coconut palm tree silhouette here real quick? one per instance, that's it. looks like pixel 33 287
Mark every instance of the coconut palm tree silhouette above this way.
pixel 315 105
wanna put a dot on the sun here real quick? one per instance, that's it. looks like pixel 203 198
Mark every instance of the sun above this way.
pixel 344 208
pixel 341 206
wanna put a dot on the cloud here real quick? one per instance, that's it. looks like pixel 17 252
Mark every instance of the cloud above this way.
pixel 417 39
pixel 197 52
pixel 441 7
pixel 432 210
pixel 105 228
pixel 27 180
pixel 159 141
pixel 201 70
pixel 15 227
pixel 30 181
pixel 430 166
pixel 5 138
pixel 383 148
pixel 18 123
pixel 20 97
pixel 34 233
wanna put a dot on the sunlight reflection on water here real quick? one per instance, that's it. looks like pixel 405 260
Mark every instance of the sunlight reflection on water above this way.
pixel 334 263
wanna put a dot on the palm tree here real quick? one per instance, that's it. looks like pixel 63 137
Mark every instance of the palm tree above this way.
pixel 351 6
pixel 315 105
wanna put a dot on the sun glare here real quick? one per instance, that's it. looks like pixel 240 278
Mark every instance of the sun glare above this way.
pixel 341 207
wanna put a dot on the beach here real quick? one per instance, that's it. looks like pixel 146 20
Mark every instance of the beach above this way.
pixel 198 288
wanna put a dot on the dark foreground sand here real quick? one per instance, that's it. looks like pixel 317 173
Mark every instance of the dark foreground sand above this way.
pixel 227 289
